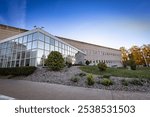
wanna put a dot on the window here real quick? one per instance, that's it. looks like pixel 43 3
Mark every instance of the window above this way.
pixel 34 44
pixel 18 55
pixel 23 55
pixel 40 44
pixel 40 53
pixel 20 40
pixel 56 43
pixel 41 37
pixel 32 62
pixel 35 36
pixel 33 53
pixel 29 37
pixel 29 46
pixel 52 41
pixel 52 48
pixel 56 48
pixel 25 39
pixel 59 44
pixel 47 39
pixel 46 46
pixel 27 62
pixel 22 63
pixel 28 54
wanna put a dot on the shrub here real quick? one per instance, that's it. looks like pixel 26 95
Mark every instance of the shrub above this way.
pixel 87 62
pixel 69 61
pixel 136 82
pixel 124 82
pixel 106 76
pixel 16 71
pixel 90 79
pixel 55 61
pixel 75 79
pixel 106 82
pixel 82 74
pixel 102 66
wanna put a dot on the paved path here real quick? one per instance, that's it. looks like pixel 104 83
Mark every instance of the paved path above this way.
pixel 27 90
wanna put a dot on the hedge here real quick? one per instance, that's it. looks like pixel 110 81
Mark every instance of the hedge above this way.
pixel 17 71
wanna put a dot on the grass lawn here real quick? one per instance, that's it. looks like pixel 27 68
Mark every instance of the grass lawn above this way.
pixel 120 72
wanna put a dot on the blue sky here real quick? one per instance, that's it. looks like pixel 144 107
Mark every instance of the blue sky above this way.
pixel 111 23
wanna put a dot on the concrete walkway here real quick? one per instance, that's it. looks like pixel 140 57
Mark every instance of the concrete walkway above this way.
pixel 27 90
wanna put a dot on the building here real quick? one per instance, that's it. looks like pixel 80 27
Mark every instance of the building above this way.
pixel 34 52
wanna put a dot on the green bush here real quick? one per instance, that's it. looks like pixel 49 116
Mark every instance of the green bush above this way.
pixel 102 66
pixel 136 82
pixel 90 79
pixel 87 62
pixel 55 61
pixel 124 82
pixel 106 82
pixel 106 76
pixel 17 71
pixel 75 79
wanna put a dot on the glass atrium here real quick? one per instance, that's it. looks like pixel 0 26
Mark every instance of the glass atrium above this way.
pixel 32 48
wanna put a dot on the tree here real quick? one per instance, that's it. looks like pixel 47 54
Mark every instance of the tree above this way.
pixel 137 55
pixel 146 54
pixel 124 56
pixel 55 61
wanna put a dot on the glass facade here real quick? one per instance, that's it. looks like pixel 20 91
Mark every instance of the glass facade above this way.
pixel 32 49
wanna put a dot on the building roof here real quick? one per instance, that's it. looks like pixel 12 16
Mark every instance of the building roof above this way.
pixel 86 43
pixel 2 26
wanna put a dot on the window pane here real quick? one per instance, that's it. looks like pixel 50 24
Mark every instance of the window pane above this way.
pixel 56 43
pixel 25 39
pixel 18 55
pixel 23 55
pixel 52 41
pixel 33 53
pixel 47 39
pixel 59 44
pixel 32 62
pixel 20 40
pixel 28 54
pixel 41 37
pixel 35 36
pixel 56 48
pixel 46 46
pixel 22 63
pixel 34 44
pixel 29 37
pixel 40 53
pixel 27 62
pixel 52 48
pixel 40 44
pixel 29 46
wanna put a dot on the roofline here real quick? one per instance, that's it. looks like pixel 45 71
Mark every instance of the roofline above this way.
pixel 87 43
pixel 13 27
